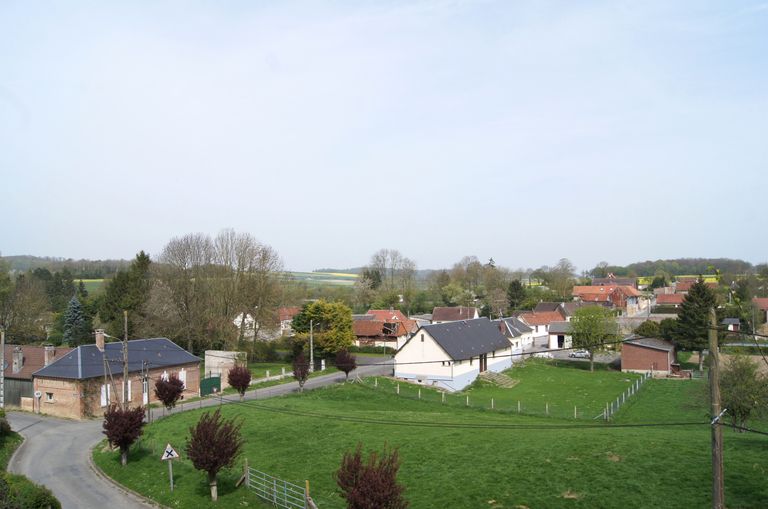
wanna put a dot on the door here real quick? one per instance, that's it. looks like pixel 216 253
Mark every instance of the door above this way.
pixel 483 362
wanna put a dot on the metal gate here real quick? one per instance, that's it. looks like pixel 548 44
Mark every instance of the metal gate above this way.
pixel 210 385
pixel 276 491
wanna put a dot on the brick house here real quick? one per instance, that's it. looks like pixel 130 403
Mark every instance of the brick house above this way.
pixel 640 355
pixel 20 362
pixel 74 385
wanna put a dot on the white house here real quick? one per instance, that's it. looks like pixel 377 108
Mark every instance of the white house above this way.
pixel 517 332
pixel 560 335
pixel 457 352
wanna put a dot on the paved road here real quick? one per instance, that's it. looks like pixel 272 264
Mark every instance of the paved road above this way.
pixel 56 452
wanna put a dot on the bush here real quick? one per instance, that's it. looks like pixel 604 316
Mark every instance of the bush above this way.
pixel 169 391
pixel 5 427
pixel 372 484
pixel 265 351
pixel 371 349
pixel 25 494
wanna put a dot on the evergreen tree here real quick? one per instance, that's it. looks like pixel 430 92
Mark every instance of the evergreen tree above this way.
pixel 77 324
pixel 129 291
pixel 691 332
pixel 515 294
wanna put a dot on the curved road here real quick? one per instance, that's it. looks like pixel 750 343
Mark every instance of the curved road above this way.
pixel 56 452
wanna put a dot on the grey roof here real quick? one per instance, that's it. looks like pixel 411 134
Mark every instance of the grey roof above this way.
pixel 363 317
pixel 560 328
pixel 87 361
pixel 515 327
pixel 731 321
pixel 655 343
pixel 546 306
pixel 611 281
pixel 466 338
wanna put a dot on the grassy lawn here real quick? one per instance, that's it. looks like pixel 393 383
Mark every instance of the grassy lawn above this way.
pixel 542 463
pixel 8 444
pixel 543 386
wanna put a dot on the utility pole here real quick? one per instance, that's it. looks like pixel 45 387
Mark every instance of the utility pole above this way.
pixel 125 360
pixel 311 347
pixel 2 366
pixel 718 489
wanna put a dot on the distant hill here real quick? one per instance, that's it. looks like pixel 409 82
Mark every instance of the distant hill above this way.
pixel 682 266
pixel 84 269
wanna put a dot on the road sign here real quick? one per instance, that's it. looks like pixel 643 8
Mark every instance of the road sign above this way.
pixel 169 453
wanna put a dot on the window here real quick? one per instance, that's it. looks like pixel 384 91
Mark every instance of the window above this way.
pixel 49 397
pixel 470 361
pixel 105 395
pixel 183 377
pixel 422 337
pixel 164 377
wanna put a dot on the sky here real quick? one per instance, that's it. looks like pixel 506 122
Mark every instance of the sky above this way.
pixel 523 131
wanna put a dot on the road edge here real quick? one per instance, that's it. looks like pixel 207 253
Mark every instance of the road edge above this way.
pixel 16 452
pixel 100 473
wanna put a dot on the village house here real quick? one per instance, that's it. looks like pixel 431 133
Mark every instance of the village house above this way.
pixel 458 352
pixel 761 305
pixel 539 322
pixel 731 324
pixel 285 316
pixel 454 314
pixel 641 355
pixel 20 362
pixel 673 299
pixel 560 335
pixel 624 298
pixel 83 382
pixel 517 332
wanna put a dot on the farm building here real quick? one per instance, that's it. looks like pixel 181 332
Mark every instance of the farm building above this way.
pixel 20 362
pixel 83 382
pixel 560 335
pixel 640 355
pixel 458 352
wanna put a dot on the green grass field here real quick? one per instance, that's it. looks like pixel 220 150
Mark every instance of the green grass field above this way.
pixel 515 461
pixel 323 278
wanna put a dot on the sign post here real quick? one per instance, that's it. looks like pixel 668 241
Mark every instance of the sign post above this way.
pixel 169 454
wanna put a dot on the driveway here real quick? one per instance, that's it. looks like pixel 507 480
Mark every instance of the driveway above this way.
pixel 56 452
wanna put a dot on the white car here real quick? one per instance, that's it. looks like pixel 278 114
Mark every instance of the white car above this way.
pixel 579 354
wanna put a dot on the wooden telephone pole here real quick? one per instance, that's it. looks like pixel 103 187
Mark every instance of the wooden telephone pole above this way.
pixel 718 489
pixel 125 361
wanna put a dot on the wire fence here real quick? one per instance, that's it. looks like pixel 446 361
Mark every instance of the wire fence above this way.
pixel 507 403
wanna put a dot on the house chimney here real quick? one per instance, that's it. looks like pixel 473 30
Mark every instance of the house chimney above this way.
pixel 48 354
pixel 100 339
pixel 18 359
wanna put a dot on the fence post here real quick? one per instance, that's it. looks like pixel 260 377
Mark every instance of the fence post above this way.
pixel 443 398
pixel 467 399
pixel 245 472
pixel 546 407
pixel 267 373
pixel 398 389
pixel 419 392
pixel 518 406
pixel 376 382
pixel 274 491
pixel 575 414
pixel 491 403
pixel 283 372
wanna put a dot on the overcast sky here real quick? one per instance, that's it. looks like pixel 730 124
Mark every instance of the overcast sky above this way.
pixel 522 131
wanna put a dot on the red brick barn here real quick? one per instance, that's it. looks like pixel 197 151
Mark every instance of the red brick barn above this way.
pixel 641 355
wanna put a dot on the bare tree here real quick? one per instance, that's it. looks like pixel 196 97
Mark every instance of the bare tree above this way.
pixel 214 443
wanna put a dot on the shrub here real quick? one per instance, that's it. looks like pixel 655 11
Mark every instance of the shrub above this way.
pixel 301 370
pixel 239 377
pixel 346 362
pixel 265 351
pixel 371 485
pixel 214 443
pixel 123 427
pixel 169 391
pixel 24 494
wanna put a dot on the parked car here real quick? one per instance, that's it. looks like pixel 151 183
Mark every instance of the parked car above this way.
pixel 579 354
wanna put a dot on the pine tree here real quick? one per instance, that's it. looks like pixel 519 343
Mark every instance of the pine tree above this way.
pixel 691 332
pixel 77 325
pixel 515 294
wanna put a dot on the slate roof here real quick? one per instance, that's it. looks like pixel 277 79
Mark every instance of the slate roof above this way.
pixel 87 361
pixel 452 314
pixel 466 338
pixel 560 328
pixel 33 358
pixel 542 307
pixel 654 343
pixel 731 321
pixel 514 327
